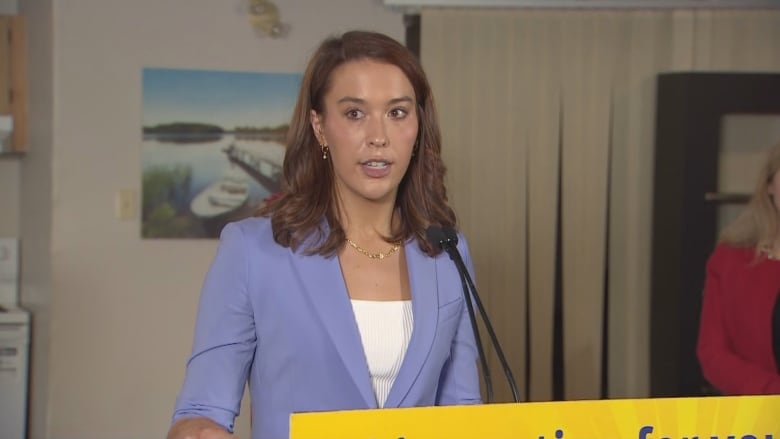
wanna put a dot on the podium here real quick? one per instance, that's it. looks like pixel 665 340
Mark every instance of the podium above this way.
pixel 731 417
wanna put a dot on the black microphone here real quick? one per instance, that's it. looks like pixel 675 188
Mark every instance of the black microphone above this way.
pixel 447 239
pixel 437 238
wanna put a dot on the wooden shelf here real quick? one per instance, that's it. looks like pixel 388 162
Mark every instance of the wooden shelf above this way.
pixel 13 81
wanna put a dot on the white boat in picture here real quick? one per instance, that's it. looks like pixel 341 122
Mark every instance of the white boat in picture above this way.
pixel 222 197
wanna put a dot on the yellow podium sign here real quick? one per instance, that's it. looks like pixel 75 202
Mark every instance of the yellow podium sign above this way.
pixel 736 417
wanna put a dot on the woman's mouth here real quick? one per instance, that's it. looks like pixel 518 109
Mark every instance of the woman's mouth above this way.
pixel 376 168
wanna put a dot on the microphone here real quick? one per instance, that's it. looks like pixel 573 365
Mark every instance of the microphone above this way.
pixel 447 239
pixel 437 238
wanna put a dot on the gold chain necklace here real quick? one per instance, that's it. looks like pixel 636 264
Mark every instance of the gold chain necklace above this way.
pixel 379 255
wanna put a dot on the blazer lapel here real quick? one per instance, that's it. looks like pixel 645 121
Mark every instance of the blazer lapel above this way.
pixel 324 284
pixel 425 309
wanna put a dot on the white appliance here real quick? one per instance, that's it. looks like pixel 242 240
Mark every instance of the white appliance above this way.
pixel 14 345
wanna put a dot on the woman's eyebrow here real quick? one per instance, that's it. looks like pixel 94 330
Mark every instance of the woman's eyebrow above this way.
pixel 363 101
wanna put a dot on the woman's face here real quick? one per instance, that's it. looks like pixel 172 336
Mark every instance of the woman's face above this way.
pixel 774 189
pixel 370 126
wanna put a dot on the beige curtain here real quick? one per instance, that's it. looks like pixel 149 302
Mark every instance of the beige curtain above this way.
pixel 548 115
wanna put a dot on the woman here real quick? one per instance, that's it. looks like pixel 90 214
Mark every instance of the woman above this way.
pixel 739 335
pixel 332 299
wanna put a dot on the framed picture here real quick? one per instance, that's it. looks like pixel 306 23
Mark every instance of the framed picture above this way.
pixel 213 146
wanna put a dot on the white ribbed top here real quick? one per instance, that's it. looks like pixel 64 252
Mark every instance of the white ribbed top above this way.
pixel 385 329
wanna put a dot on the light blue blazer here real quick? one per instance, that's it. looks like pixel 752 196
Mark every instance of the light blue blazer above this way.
pixel 283 321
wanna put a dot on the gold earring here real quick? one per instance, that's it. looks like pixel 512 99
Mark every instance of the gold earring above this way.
pixel 324 149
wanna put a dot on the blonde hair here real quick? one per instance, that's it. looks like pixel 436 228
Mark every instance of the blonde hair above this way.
pixel 757 226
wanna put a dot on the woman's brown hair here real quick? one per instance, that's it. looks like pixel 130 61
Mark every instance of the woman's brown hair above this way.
pixel 308 190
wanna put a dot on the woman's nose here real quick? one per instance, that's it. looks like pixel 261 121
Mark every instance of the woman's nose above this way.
pixel 377 136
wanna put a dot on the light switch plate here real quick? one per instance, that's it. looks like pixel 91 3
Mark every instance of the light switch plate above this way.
pixel 126 205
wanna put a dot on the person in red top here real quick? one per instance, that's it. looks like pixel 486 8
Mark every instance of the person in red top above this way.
pixel 739 333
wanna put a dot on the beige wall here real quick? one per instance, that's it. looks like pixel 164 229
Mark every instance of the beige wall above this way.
pixel 9 169
pixel 9 196
pixel 9 7
pixel 35 204
pixel 109 361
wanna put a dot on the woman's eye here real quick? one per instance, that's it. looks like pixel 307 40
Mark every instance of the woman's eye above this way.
pixel 354 114
pixel 398 113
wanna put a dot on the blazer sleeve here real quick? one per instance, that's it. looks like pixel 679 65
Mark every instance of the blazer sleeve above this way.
pixel 225 338
pixel 721 366
pixel 459 382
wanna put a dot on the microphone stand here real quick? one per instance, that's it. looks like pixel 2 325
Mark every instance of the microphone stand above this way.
pixel 447 239
pixel 482 358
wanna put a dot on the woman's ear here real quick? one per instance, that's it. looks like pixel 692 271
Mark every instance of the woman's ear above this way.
pixel 316 125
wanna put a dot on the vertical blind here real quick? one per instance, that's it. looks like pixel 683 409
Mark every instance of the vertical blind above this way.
pixel 548 119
